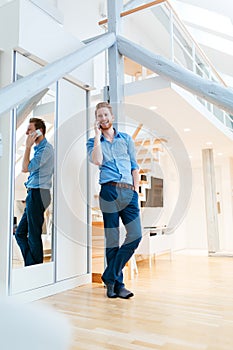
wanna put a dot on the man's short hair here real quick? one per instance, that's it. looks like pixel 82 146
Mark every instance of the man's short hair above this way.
pixel 39 124
pixel 103 105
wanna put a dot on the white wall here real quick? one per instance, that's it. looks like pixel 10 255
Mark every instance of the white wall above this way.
pixel 50 39
pixel 81 19
pixel 224 177
pixel 5 129
pixel 196 217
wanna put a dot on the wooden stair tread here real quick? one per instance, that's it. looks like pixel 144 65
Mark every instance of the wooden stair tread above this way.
pixel 147 160
pixel 144 171
pixel 143 182
pixel 147 142
pixel 146 150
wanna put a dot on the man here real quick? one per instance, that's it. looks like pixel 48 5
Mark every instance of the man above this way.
pixel 29 230
pixel 114 153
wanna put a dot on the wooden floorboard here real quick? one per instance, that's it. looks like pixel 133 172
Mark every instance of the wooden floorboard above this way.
pixel 181 304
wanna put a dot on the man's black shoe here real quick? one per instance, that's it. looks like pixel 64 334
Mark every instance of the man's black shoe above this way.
pixel 110 291
pixel 124 293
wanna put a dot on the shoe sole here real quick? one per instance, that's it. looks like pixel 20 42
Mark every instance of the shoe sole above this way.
pixel 125 297
pixel 112 296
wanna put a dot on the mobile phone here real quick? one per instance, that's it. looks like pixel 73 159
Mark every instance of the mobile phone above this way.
pixel 98 125
pixel 39 133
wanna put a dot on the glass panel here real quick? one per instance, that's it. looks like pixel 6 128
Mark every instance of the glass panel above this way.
pixel 218 113
pixel 26 232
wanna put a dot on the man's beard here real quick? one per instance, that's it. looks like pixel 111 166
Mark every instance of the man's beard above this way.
pixel 106 126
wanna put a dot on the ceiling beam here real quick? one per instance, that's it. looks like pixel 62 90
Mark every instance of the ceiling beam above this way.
pixel 211 91
pixel 23 89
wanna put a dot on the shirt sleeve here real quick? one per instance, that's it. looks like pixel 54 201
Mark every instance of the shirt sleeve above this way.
pixel 40 158
pixel 132 154
pixel 90 146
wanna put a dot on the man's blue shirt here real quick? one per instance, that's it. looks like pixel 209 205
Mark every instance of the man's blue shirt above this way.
pixel 41 166
pixel 119 159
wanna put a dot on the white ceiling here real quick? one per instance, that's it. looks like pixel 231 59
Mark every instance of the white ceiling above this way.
pixel 223 7
pixel 182 111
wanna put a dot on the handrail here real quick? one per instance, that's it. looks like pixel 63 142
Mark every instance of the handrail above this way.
pixel 136 9
pixel 21 90
pixel 194 41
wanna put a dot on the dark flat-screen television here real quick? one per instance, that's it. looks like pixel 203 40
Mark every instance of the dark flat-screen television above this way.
pixel 154 195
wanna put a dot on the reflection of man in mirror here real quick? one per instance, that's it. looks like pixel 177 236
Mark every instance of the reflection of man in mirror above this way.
pixel 114 153
pixel 40 167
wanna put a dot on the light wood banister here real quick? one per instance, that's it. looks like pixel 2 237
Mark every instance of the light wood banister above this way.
pixel 136 132
pixel 136 9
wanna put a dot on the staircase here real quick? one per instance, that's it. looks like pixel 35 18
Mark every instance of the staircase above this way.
pixel 148 156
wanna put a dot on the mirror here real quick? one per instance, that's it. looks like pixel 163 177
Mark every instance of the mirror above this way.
pixel 40 106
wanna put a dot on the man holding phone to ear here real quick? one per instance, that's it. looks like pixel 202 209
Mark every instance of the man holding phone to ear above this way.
pixel 39 183
pixel 114 153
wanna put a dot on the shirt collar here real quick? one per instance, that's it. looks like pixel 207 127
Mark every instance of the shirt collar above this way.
pixel 41 144
pixel 117 134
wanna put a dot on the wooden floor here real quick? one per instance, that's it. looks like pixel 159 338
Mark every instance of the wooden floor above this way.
pixel 183 304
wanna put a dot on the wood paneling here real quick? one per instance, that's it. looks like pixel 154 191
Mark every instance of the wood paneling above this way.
pixel 97 250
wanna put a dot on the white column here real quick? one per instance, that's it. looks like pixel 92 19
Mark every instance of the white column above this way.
pixel 115 59
pixel 6 179
pixel 210 200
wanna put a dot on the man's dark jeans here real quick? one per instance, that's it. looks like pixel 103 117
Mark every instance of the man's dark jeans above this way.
pixel 116 203
pixel 29 230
